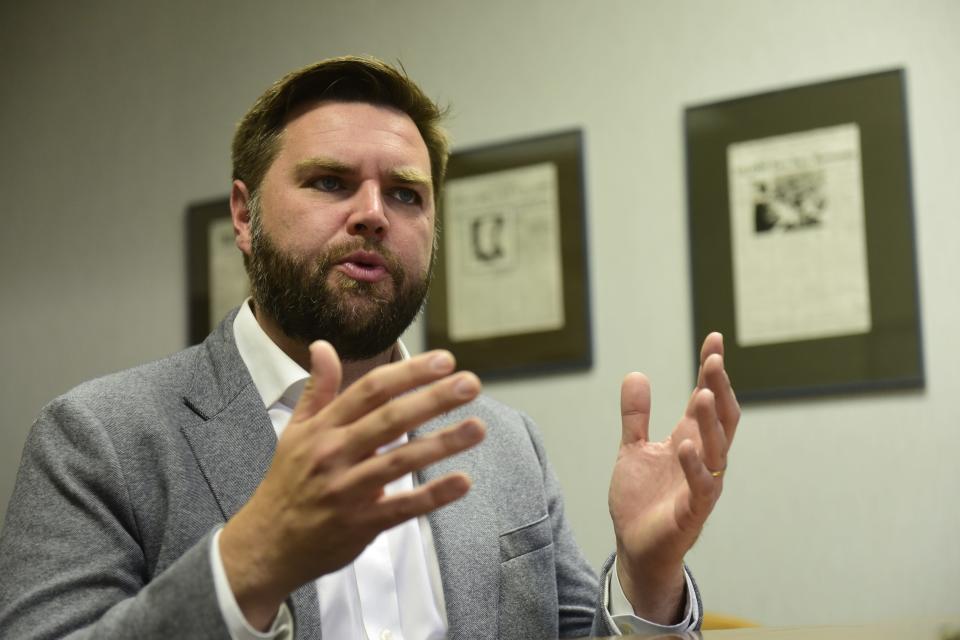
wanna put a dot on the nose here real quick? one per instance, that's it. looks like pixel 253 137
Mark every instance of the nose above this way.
pixel 368 219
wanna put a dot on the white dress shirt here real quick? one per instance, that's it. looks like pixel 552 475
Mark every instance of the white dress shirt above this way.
pixel 379 596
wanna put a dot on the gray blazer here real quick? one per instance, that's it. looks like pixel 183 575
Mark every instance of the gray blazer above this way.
pixel 124 478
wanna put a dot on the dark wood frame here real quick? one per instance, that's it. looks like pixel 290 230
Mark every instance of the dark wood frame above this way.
pixel 199 218
pixel 569 347
pixel 890 355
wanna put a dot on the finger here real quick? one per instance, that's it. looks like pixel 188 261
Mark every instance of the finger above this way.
pixel 702 484
pixel 713 343
pixel 371 475
pixel 728 409
pixel 390 421
pixel 711 432
pixel 387 382
pixel 323 384
pixel 395 509
pixel 635 409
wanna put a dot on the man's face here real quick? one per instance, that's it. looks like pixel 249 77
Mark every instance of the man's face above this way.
pixel 342 229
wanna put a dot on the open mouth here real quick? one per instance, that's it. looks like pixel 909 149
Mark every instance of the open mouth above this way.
pixel 364 266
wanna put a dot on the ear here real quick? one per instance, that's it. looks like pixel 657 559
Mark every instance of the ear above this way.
pixel 240 213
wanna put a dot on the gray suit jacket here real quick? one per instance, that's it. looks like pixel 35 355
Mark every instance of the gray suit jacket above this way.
pixel 124 478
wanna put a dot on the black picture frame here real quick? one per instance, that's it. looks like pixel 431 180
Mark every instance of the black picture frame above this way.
pixel 568 347
pixel 889 355
pixel 213 286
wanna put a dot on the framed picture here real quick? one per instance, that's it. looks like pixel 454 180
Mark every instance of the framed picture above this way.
pixel 510 290
pixel 802 239
pixel 216 278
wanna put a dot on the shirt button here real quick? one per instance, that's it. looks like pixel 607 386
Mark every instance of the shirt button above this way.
pixel 386 635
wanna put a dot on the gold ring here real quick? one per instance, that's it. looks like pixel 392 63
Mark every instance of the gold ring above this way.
pixel 717 474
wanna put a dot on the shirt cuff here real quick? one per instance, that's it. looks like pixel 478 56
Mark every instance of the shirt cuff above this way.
pixel 237 625
pixel 626 621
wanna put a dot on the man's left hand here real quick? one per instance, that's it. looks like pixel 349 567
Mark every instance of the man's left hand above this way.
pixel 662 492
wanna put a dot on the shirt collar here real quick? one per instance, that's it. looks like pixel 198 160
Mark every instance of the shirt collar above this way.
pixel 275 375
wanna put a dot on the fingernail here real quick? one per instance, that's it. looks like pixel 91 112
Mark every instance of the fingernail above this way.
pixel 442 361
pixel 472 430
pixel 465 387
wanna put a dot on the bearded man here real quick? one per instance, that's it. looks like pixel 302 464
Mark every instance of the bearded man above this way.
pixel 300 475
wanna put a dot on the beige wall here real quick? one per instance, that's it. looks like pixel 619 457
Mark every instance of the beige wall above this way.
pixel 113 117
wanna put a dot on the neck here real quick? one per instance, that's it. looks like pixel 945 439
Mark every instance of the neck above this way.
pixel 353 370
pixel 299 351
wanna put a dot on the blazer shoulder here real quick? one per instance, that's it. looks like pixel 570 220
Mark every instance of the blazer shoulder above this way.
pixel 511 433
pixel 141 385
pixel 485 406
pixel 504 416
pixel 214 366
pixel 501 418
pixel 124 407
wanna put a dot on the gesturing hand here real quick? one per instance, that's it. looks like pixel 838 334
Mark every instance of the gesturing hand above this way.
pixel 322 500
pixel 662 492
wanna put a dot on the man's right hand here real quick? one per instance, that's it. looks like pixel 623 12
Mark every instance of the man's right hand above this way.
pixel 322 501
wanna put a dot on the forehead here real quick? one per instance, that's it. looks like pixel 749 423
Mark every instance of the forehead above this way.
pixel 355 133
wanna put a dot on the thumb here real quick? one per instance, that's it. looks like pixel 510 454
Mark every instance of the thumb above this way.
pixel 635 408
pixel 323 384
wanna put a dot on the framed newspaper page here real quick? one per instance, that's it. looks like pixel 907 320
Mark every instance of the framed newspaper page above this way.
pixel 509 294
pixel 216 278
pixel 802 237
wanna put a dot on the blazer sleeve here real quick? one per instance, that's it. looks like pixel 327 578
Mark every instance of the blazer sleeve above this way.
pixel 72 562
pixel 579 592
pixel 581 595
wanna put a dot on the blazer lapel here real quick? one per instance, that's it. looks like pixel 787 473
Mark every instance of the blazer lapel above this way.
pixel 467 544
pixel 235 441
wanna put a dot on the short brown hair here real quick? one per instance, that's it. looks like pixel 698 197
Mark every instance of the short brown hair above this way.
pixel 349 79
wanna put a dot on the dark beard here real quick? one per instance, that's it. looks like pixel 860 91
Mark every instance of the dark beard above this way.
pixel 355 317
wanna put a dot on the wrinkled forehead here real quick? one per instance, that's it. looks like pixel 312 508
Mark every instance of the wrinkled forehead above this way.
pixel 355 129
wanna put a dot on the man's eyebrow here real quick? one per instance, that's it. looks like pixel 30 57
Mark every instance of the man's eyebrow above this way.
pixel 411 175
pixel 405 175
pixel 304 168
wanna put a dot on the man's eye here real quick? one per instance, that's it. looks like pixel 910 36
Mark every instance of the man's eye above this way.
pixel 328 183
pixel 406 196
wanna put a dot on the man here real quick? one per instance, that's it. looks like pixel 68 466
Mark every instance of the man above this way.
pixel 264 483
